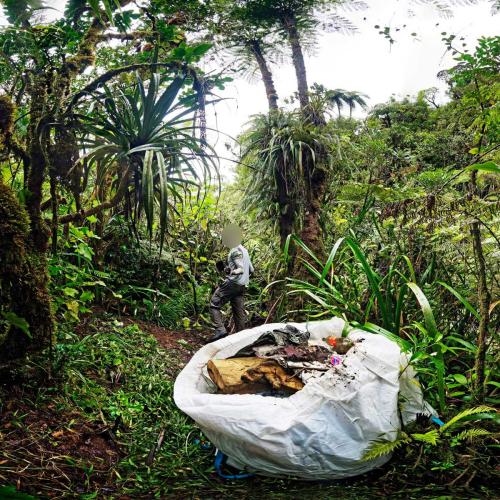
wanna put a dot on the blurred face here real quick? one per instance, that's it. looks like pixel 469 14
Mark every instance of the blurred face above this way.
pixel 231 236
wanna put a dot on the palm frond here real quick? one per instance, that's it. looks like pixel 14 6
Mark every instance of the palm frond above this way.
pixel 150 128
pixel 17 11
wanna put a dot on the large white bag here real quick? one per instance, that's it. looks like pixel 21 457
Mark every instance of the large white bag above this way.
pixel 321 431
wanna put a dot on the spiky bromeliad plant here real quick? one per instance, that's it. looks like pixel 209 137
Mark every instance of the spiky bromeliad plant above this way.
pixel 146 136
pixel 282 150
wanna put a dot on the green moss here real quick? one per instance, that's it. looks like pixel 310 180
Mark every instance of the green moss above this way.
pixel 7 111
pixel 23 283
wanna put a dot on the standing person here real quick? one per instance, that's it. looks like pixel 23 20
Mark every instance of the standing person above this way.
pixel 238 270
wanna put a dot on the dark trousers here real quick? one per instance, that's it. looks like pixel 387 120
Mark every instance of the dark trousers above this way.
pixel 228 292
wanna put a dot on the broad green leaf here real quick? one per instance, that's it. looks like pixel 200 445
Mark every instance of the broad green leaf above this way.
pixel 461 379
pixel 373 280
pixel 489 166
pixel 330 260
pixel 14 320
pixel 147 190
pixel 163 176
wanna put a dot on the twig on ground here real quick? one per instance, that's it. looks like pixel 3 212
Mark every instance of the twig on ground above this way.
pixel 418 458
pixel 156 447
pixel 452 483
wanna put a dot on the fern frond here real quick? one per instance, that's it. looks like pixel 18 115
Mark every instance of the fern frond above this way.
pixel 379 448
pixel 472 434
pixel 466 413
pixel 430 437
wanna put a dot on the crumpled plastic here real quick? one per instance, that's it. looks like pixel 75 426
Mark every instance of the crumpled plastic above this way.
pixel 281 336
pixel 321 431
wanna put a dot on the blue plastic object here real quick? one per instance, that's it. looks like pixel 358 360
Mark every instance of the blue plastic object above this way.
pixel 437 421
pixel 220 460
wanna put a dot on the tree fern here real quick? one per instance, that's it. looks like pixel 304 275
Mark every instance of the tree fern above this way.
pixel 466 413
pixel 431 437
pixel 471 434
pixel 21 10
pixel 379 448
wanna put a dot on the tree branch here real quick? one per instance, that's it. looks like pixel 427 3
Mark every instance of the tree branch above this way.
pixel 108 75
pixel 120 193
pixel 86 51
pixel 16 148
pixel 122 36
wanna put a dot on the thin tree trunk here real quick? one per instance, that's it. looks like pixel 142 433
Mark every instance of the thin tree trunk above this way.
pixel 119 195
pixel 483 297
pixel 484 303
pixel 290 25
pixel 267 77
pixel 482 284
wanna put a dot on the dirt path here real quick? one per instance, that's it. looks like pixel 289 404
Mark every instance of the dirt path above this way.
pixel 184 343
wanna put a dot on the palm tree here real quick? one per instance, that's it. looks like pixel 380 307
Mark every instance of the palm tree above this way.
pixel 254 45
pixel 354 99
pixel 288 157
pixel 276 185
pixel 247 41
pixel 337 98
pixel 297 22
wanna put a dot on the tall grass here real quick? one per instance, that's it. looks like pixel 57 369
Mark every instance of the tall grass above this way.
pixel 389 304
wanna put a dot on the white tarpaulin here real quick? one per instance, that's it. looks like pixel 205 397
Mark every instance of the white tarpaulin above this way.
pixel 321 431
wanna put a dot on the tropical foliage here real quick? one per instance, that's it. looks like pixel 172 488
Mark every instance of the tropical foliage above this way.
pixel 111 209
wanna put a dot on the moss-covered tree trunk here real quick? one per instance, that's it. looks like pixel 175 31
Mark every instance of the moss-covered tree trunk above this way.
pixel 484 298
pixel 315 174
pixel 26 317
pixel 24 232
pixel 23 284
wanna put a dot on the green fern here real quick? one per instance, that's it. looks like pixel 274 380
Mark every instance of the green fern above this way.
pixel 466 413
pixel 471 434
pixel 379 448
pixel 430 437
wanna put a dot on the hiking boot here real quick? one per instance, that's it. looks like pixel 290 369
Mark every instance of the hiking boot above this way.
pixel 217 336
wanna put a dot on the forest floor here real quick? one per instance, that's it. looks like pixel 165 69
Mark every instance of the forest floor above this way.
pixel 85 435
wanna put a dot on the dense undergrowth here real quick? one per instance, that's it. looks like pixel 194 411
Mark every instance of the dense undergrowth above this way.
pixel 107 426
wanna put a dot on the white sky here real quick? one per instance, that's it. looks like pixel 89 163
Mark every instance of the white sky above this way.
pixel 364 62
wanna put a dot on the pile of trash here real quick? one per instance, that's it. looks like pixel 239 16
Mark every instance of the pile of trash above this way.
pixel 326 422
pixel 278 363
